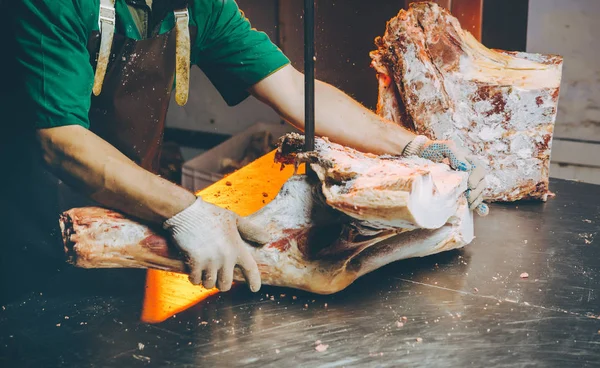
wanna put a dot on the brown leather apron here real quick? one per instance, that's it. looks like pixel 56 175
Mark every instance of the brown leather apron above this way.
pixel 130 111
pixel 131 108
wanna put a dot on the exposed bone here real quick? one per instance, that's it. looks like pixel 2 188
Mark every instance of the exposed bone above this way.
pixel 499 105
pixel 383 191
pixel 314 246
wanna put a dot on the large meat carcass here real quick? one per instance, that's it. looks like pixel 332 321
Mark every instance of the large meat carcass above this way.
pixel 360 213
pixel 436 79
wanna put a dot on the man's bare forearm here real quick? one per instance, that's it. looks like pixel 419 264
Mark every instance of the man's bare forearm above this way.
pixel 91 165
pixel 337 115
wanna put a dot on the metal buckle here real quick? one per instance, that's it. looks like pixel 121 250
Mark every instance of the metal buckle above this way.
pixel 107 14
pixel 183 13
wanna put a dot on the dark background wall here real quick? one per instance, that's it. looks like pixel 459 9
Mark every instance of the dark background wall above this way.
pixel 346 31
pixel 505 24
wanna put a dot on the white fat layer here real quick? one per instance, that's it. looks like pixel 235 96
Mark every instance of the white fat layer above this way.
pixel 489 67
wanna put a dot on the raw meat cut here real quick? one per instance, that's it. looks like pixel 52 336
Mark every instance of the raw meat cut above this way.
pixel 315 248
pixel 325 232
pixel 383 191
pixel 436 79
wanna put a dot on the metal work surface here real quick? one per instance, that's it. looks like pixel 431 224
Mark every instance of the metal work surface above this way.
pixel 462 308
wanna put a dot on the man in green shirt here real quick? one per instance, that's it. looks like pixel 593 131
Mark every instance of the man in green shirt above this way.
pixel 127 55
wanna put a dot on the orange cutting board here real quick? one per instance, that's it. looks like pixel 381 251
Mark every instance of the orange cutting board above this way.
pixel 243 192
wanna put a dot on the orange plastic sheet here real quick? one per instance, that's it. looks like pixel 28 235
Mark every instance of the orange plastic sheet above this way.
pixel 244 192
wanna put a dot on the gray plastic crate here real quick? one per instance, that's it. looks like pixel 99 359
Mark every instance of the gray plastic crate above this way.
pixel 203 170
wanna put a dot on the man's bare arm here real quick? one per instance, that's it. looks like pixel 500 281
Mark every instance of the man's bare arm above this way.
pixel 337 115
pixel 90 164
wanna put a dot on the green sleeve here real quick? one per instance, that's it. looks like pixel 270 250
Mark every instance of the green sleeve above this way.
pixel 56 76
pixel 232 54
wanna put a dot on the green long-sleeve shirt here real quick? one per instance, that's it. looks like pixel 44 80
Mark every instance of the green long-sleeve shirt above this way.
pixel 53 78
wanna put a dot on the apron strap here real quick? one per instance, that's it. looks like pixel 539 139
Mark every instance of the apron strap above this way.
pixel 106 24
pixel 182 52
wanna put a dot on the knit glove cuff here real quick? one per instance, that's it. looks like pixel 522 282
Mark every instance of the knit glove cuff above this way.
pixel 187 220
pixel 415 147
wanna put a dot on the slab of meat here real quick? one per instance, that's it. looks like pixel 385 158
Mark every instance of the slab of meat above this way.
pixel 326 232
pixel 438 80
pixel 383 191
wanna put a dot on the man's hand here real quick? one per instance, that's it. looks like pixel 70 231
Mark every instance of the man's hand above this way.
pixel 211 237
pixel 438 151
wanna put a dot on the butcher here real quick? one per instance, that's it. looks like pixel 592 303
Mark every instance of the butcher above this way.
pixel 90 84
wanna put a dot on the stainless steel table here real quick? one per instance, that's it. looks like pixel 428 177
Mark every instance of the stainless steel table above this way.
pixel 457 309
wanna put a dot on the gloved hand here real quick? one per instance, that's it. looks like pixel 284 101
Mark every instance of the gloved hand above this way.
pixel 211 237
pixel 437 151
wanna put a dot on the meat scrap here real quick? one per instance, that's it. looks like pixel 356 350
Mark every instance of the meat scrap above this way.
pixel 321 348
pixel 361 213
pixel 436 79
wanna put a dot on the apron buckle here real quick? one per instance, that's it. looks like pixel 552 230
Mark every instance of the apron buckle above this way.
pixel 181 13
pixel 107 14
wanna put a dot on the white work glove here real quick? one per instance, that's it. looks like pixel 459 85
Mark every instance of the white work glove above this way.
pixel 211 238
pixel 437 151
